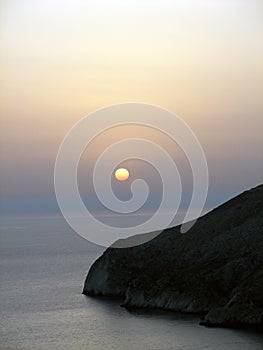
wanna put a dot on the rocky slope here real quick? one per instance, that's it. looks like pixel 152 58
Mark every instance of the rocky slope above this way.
pixel 215 269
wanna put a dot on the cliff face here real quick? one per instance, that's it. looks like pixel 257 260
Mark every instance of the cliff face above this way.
pixel 215 269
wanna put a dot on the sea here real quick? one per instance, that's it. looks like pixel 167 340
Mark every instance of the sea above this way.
pixel 43 265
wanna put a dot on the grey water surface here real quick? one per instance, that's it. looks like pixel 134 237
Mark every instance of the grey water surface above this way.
pixel 43 264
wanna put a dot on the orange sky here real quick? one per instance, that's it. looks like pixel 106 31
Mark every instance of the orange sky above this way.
pixel 60 60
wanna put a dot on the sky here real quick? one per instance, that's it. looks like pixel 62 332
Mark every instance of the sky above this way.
pixel 61 60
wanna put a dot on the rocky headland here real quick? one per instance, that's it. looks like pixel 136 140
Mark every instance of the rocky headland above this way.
pixel 215 269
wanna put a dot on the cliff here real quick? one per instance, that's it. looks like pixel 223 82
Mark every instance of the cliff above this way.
pixel 215 269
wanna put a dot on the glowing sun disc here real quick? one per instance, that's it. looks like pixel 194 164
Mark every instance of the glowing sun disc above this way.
pixel 122 174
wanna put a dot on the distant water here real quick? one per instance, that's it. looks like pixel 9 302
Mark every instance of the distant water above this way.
pixel 43 265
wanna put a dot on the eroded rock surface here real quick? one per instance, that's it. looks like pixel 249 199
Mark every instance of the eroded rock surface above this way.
pixel 215 269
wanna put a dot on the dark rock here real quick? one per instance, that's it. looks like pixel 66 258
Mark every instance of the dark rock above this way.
pixel 215 269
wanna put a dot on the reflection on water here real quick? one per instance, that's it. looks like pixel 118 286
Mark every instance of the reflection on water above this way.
pixel 43 267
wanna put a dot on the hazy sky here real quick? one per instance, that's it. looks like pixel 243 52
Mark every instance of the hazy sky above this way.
pixel 61 59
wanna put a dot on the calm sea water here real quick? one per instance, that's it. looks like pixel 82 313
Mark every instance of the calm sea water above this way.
pixel 43 267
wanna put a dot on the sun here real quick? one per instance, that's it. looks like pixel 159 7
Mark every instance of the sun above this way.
pixel 122 174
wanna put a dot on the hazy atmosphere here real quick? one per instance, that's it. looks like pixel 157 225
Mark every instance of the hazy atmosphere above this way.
pixel 131 178
pixel 202 60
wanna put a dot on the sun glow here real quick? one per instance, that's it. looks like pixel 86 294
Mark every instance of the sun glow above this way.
pixel 122 174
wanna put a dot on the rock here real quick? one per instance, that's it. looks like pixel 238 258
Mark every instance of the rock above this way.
pixel 215 269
